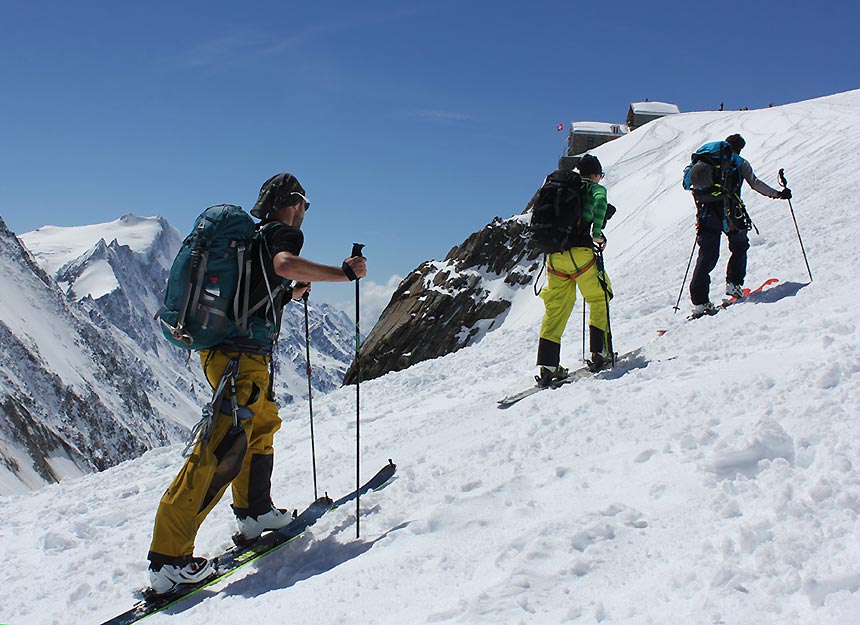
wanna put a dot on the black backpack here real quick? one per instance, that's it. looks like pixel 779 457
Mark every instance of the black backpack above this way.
pixel 556 220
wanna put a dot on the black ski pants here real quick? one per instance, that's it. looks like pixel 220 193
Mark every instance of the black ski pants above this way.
pixel 709 231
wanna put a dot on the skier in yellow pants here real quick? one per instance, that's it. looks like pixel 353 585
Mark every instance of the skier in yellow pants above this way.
pixel 234 443
pixel 240 456
pixel 578 267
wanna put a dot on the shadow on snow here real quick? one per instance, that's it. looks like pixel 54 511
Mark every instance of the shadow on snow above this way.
pixel 301 559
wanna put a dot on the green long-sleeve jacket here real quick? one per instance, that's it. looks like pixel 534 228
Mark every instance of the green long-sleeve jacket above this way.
pixel 594 207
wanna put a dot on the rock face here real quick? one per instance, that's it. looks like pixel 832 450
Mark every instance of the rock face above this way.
pixel 444 306
pixel 74 397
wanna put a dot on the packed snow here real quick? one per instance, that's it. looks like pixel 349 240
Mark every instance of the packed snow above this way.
pixel 713 478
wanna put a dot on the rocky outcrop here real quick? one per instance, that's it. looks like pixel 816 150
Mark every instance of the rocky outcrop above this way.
pixel 443 306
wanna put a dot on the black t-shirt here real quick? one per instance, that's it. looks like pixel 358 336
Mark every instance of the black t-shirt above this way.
pixel 276 237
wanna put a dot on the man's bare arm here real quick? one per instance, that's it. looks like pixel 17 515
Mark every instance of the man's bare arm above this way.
pixel 300 269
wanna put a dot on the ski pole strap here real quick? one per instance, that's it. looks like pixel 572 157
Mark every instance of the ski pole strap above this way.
pixel 570 276
pixel 349 272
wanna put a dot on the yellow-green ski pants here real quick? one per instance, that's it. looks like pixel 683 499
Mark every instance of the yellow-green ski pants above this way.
pixel 559 294
pixel 241 456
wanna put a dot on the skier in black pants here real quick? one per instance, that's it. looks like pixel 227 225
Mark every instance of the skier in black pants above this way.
pixel 725 213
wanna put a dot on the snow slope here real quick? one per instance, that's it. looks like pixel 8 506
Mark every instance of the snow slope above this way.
pixel 716 479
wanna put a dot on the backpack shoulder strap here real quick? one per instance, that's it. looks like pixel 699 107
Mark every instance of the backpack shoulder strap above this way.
pixel 273 293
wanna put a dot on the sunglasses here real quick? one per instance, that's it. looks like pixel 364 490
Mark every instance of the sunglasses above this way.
pixel 307 202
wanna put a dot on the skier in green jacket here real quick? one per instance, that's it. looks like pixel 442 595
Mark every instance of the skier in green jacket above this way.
pixel 572 268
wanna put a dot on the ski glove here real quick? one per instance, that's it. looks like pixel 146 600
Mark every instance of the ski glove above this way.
pixel 599 243
pixel 785 194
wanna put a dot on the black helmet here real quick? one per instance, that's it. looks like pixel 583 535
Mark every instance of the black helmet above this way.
pixel 275 192
pixel 589 165
pixel 737 142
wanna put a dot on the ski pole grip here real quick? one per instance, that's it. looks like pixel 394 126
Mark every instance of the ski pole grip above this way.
pixel 356 251
pixel 307 293
pixel 781 177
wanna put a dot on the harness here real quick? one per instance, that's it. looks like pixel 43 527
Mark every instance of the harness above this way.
pixel 570 276
pixel 730 209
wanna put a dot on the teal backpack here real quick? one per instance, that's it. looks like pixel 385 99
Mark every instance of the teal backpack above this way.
pixel 206 300
pixel 712 172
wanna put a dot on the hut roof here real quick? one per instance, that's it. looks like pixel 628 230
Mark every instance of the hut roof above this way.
pixel 603 128
pixel 654 108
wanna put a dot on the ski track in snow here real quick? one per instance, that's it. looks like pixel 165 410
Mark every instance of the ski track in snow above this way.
pixel 718 482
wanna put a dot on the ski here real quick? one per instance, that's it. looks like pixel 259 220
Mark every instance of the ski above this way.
pixel 747 292
pixel 573 376
pixel 236 557
pixel 734 300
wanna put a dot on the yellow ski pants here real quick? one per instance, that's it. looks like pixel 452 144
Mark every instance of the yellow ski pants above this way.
pixel 559 295
pixel 241 456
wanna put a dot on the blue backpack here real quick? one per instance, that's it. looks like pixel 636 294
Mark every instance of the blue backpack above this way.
pixel 712 172
pixel 206 300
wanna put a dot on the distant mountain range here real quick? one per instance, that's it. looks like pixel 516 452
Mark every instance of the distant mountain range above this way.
pixel 88 380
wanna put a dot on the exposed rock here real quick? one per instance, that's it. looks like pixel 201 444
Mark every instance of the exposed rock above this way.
pixel 444 306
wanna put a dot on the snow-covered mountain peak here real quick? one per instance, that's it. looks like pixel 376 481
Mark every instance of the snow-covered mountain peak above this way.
pixel 54 246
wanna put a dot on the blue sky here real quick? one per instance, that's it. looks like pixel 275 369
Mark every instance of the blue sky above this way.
pixel 410 124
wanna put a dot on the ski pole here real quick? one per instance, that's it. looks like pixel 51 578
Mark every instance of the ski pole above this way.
pixel 356 251
pixel 310 394
pixel 602 272
pixel 781 176
pixel 686 271
pixel 583 331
